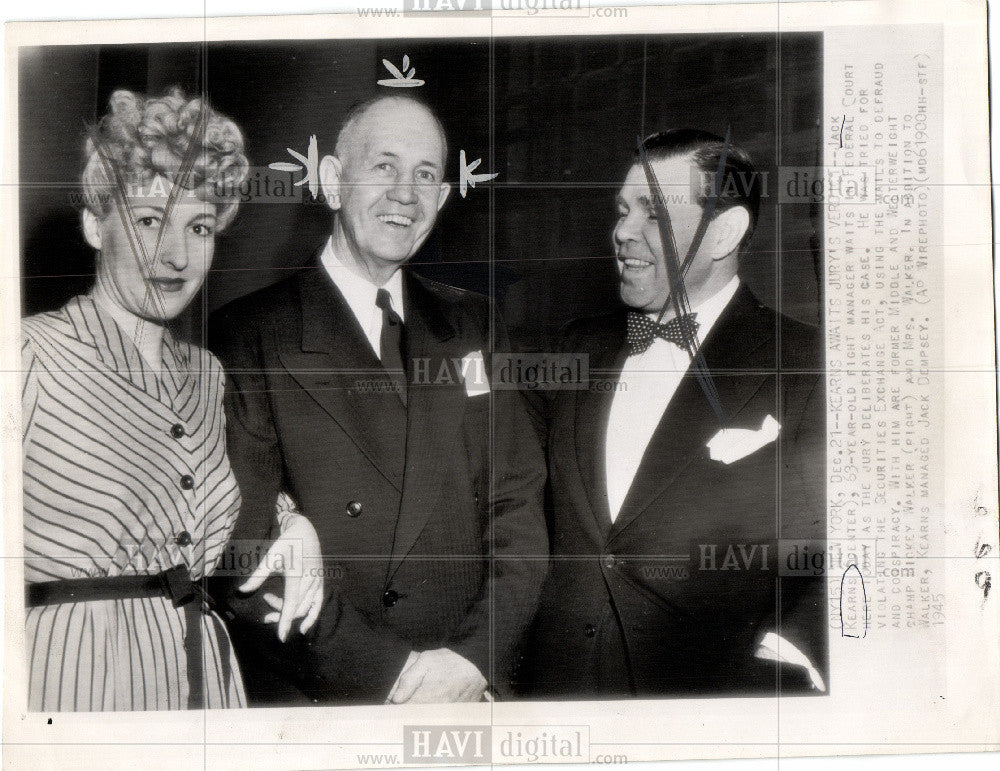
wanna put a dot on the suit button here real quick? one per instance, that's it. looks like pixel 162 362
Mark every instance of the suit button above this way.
pixel 390 598
pixel 354 509
pixel 590 630
pixel 177 430
pixel 187 482
pixel 183 538
pixel 609 561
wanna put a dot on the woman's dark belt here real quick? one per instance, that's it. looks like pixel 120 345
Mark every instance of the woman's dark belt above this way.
pixel 174 584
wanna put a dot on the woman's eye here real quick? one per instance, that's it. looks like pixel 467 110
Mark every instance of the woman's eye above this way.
pixel 202 230
pixel 147 222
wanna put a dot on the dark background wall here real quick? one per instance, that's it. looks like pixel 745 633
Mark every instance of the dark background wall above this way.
pixel 564 120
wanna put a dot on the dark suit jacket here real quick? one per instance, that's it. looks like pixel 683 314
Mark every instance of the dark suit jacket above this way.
pixel 424 548
pixel 665 601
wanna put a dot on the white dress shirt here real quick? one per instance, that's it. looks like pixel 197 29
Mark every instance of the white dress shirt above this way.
pixel 647 384
pixel 360 295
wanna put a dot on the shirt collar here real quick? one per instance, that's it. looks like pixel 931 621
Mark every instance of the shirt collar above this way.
pixel 709 310
pixel 116 350
pixel 357 290
pixel 708 313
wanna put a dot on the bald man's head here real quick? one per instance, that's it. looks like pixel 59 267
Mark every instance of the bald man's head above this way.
pixel 381 107
pixel 385 183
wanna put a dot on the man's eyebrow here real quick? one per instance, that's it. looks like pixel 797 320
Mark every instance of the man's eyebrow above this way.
pixel 152 206
pixel 395 156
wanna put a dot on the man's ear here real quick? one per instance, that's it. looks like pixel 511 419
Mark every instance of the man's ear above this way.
pixel 331 173
pixel 443 194
pixel 728 229
pixel 91 229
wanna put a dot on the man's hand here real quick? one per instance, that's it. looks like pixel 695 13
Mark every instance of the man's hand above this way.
pixel 297 555
pixel 437 677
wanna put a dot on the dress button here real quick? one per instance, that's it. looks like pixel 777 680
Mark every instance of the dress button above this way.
pixel 183 538
pixel 177 430
pixel 589 630
pixel 390 598
pixel 187 482
pixel 354 509
pixel 609 561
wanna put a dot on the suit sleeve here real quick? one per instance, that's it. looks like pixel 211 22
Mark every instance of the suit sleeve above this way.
pixel 251 440
pixel 251 444
pixel 538 401
pixel 516 540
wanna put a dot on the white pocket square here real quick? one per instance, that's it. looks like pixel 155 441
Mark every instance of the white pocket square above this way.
pixel 473 374
pixel 731 444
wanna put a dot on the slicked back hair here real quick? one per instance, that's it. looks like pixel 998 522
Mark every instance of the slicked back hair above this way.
pixel 740 184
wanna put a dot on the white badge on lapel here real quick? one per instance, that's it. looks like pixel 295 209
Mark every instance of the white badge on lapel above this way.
pixel 731 444
pixel 473 372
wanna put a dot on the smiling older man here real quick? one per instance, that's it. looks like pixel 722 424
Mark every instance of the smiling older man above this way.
pixel 424 515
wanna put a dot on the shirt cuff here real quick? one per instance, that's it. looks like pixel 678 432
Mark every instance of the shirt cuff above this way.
pixel 776 648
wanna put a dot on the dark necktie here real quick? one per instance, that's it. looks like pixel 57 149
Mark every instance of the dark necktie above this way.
pixel 391 343
pixel 642 330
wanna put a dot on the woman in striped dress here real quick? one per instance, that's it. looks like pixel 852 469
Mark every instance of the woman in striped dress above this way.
pixel 129 499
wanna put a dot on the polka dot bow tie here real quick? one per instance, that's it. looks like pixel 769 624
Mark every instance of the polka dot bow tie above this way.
pixel 642 330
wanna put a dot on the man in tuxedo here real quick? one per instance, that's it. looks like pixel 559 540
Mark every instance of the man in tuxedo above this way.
pixel 360 389
pixel 692 464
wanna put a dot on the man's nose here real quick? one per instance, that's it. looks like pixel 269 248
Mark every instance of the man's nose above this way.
pixel 626 231
pixel 403 192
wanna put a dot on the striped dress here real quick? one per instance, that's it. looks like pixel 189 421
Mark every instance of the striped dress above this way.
pixel 125 472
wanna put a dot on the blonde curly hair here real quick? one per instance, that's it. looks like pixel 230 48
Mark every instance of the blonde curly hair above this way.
pixel 141 138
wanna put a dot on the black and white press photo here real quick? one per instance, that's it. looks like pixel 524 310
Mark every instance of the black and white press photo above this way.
pixel 488 387
pixel 344 325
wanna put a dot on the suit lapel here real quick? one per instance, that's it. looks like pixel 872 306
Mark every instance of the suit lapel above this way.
pixel 739 353
pixel 435 407
pixel 336 366
pixel 593 406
